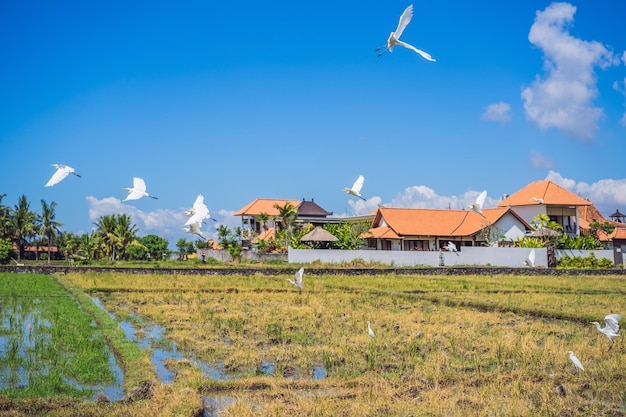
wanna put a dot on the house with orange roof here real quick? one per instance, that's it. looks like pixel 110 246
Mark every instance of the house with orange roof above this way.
pixel 546 197
pixel 408 229
pixel 252 228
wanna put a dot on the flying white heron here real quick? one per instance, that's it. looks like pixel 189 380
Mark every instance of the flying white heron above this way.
pixel 297 278
pixel 59 175
pixel 194 228
pixel 479 203
pixel 451 247
pixel 530 260
pixel 394 37
pixel 611 326
pixel 576 362
pixel 199 212
pixel 369 330
pixel 138 190
pixel 355 190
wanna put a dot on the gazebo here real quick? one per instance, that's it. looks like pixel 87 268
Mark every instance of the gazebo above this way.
pixel 319 237
pixel 618 217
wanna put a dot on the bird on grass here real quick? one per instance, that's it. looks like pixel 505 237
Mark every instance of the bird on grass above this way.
pixel 355 190
pixel 451 247
pixel 298 279
pixel 479 203
pixel 394 37
pixel 611 327
pixel 530 260
pixel 370 331
pixel 138 190
pixel 576 362
pixel 59 175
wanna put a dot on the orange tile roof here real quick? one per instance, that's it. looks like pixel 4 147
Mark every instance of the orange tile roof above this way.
pixel 265 235
pixel 380 233
pixel 590 213
pixel 550 192
pixel 264 205
pixel 438 222
pixel 619 233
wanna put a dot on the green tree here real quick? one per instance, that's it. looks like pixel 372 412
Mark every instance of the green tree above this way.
pixel 156 245
pixel 22 224
pixel 49 227
pixel 263 218
pixel 105 228
pixel 230 240
pixel 6 250
pixel 5 220
pixel 126 233
pixel 287 215
pixel 184 248
pixel 595 226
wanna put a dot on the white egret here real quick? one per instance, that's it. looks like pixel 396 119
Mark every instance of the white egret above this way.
pixel 451 247
pixel 298 278
pixel 199 212
pixel 59 175
pixel 537 200
pixel 530 260
pixel 611 326
pixel 478 204
pixel 138 190
pixel 576 362
pixel 394 37
pixel 194 228
pixel 355 190
pixel 369 330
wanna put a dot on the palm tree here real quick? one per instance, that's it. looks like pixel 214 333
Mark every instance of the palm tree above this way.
pixel 106 230
pixel 49 227
pixel 22 224
pixel 288 215
pixel 5 220
pixel 263 218
pixel 125 232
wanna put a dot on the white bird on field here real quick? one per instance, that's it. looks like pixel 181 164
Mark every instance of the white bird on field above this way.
pixel 611 326
pixel 355 190
pixel 451 247
pixel 194 228
pixel 478 204
pixel 138 190
pixel 59 175
pixel 394 37
pixel 298 278
pixel 199 212
pixel 576 362
pixel 530 260
pixel 369 330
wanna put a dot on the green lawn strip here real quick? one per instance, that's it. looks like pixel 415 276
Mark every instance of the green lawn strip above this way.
pixel 50 340
pixel 135 362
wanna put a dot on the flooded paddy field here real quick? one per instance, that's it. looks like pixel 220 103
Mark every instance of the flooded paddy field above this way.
pixel 255 345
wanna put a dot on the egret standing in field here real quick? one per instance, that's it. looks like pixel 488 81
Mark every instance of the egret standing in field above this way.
pixel 355 190
pixel 394 37
pixel 576 362
pixel 611 327
pixel 370 331
pixel 138 190
pixel 298 279
pixel 59 175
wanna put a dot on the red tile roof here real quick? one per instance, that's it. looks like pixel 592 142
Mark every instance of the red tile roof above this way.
pixel 550 192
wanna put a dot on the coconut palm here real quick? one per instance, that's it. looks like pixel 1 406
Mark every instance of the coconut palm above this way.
pixel 22 224
pixel 125 232
pixel 287 214
pixel 106 230
pixel 48 226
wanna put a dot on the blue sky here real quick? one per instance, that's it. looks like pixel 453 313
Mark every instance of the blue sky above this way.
pixel 288 100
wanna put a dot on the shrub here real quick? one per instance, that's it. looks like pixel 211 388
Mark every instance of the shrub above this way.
pixel 578 262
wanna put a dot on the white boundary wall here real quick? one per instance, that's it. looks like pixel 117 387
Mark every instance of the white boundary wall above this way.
pixel 468 255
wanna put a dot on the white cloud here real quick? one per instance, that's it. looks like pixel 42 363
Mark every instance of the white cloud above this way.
pixel 166 223
pixel 563 97
pixel 498 112
pixel 624 57
pixel 538 160
pixel 622 89
pixel 421 196
pixel 363 207
pixel 605 194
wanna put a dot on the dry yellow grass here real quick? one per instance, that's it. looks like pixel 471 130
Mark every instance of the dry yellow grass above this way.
pixel 444 345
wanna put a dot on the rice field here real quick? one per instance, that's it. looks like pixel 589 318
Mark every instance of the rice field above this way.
pixel 443 345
